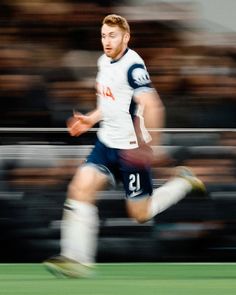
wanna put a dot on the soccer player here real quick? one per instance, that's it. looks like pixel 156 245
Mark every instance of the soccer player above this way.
pixel 128 106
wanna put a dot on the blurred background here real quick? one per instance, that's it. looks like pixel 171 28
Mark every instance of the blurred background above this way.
pixel 48 54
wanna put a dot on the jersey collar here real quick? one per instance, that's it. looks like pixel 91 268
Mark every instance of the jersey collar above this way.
pixel 116 60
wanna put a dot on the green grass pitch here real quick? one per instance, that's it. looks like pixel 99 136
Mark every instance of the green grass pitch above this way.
pixel 122 279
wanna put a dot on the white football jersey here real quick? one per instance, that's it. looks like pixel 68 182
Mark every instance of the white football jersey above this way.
pixel 117 82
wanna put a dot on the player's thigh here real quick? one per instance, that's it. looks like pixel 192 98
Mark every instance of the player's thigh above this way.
pixel 87 181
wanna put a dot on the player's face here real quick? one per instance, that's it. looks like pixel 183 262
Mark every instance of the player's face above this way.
pixel 114 41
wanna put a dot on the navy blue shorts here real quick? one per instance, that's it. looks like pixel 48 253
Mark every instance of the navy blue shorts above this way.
pixel 137 181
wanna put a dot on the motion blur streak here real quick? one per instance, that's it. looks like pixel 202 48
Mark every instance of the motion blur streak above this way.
pixel 48 54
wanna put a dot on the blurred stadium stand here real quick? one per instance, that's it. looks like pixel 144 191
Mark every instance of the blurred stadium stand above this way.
pixel 34 178
pixel 48 54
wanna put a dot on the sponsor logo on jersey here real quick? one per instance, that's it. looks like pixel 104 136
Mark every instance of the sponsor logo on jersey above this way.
pixel 104 91
pixel 141 76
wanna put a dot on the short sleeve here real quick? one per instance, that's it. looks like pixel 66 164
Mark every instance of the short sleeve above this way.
pixel 138 76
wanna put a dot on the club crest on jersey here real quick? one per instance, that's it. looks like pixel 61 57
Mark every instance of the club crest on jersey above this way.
pixel 140 76
pixel 104 91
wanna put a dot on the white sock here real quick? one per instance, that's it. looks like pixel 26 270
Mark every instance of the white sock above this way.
pixel 168 194
pixel 79 231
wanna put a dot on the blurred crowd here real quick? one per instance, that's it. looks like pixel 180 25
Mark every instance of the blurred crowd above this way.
pixel 48 54
pixel 49 49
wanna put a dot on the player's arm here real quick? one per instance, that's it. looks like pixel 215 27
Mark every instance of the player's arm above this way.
pixel 79 123
pixel 148 99
pixel 153 113
pixel 154 116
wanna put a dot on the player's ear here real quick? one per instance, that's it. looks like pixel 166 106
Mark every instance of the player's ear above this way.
pixel 127 37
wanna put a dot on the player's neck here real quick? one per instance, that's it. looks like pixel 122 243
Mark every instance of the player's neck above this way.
pixel 120 55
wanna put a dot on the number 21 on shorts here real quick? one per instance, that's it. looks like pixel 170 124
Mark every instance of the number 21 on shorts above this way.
pixel 134 182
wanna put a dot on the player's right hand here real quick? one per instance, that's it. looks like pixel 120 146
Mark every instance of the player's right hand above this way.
pixel 78 124
pixel 139 157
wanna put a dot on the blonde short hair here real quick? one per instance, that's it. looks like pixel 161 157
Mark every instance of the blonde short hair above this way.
pixel 117 20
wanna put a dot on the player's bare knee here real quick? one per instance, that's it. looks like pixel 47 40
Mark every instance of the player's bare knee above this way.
pixel 138 210
pixel 77 192
pixel 141 217
pixel 73 191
